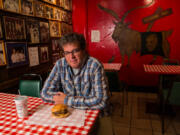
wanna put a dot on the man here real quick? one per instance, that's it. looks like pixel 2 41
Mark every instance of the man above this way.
pixel 79 76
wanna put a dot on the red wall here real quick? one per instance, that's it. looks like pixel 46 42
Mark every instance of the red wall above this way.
pixel 87 16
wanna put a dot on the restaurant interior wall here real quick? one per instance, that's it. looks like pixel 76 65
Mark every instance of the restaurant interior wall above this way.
pixel 87 17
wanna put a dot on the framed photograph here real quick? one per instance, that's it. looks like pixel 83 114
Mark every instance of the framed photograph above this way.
pixel 54 29
pixel 44 32
pixel 49 13
pixel 32 28
pixel 65 28
pixel 27 7
pixel 1 32
pixel 39 9
pixel 57 14
pixel 2 54
pixel 33 56
pixel 14 28
pixel 16 54
pixel 55 45
pixel 44 54
pixel 55 57
pixel 51 1
pixel 11 5
pixel 58 3
pixel 151 43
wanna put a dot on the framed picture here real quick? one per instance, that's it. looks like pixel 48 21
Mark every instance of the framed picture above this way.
pixel 11 5
pixel 44 54
pixel 33 56
pixel 16 54
pixel 32 28
pixel 151 43
pixel 44 32
pixel 1 32
pixel 65 28
pixel 57 14
pixel 54 29
pixel 14 28
pixel 2 54
pixel 58 3
pixel 55 45
pixel 51 1
pixel 49 13
pixel 55 57
pixel 39 9
pixel 27 7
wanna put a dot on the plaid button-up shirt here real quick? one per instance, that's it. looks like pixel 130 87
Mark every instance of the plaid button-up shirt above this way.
pixel 85 90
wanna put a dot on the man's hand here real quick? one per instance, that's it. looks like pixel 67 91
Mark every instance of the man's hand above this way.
pixel 59 98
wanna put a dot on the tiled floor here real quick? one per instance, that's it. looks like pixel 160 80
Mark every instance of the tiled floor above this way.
pixel 136 121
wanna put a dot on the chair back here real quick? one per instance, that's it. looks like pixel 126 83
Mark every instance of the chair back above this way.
pixel 30 85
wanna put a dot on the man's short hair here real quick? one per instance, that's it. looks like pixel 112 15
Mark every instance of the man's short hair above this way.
pixel 73 38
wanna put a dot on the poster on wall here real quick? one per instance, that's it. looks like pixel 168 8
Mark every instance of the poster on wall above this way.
pixel 14 28
pixel 44 54
pixel 16 54
pixel 44 32
pixel 1 32
pixel 32 31
pixel 33 56
pixel 54 29
pixel 2 54
pixel 11 5
pixel 27 7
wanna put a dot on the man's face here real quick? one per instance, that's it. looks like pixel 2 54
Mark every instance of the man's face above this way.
pixel 73 54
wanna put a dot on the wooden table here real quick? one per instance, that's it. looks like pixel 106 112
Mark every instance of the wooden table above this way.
pixel 11 124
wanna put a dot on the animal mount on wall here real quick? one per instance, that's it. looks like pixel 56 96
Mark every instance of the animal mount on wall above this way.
pixel 129 40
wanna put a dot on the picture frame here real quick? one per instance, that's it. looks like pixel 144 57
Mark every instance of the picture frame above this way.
pixel 11 5
pixel 54 29
pixel 49 12
pixel 16 54
pixel 57 14
pixel 1 31
pixel 39 9
pixel 14 28
pixel 33 56
pixel 32 28
pixel 55 57
pixel 55 45
pixel 27 7
pixel 2 54
pixel 44 32
pixel 65 28
pixel 44 54
pixel 50 1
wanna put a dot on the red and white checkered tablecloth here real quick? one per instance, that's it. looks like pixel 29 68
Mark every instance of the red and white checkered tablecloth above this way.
pixel 162 69
pixel 112 66
pixel 10 124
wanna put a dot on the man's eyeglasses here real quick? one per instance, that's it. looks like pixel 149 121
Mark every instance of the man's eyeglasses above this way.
pixel 75 51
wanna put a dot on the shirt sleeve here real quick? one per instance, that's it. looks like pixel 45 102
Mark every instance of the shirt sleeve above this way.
pixel 98 99
pixel 52 84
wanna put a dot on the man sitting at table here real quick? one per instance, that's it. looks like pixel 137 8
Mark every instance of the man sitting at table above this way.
pixel 79 76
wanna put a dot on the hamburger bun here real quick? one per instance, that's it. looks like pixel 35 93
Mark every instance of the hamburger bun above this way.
pixel 60 111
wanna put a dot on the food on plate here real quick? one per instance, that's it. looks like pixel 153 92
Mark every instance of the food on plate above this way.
pixel 60 111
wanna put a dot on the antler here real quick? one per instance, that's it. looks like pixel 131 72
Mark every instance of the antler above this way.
pixel 111 12
pixel 125 15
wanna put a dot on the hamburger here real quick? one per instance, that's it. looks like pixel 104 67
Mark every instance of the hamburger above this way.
pixel 60 111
